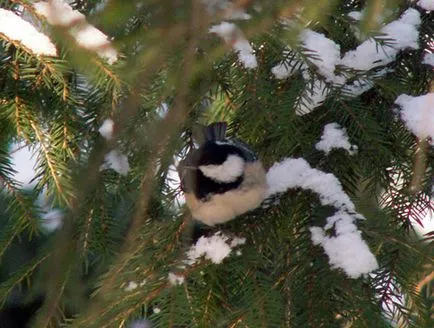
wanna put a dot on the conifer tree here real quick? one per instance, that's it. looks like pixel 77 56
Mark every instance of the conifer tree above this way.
pixel 336 97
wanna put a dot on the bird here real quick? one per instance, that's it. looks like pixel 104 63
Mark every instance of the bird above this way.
pixel 221 179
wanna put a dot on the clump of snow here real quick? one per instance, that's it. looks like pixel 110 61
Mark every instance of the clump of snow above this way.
pixel 57 12
pixel 106 129
pixel 297 173
pixel 215 248
pixel 418 114
pixel 428 58
pixel 404 33
pixel 14 28
pixel 236 241
pixel 426 4
pixel 117 161
pixel 326 54
pixel 346 249
pixel 333 137
pixel 131 286
pixel 235 37
pixel 174 279
pixel 323 53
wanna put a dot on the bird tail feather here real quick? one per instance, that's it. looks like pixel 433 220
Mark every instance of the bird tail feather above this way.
pixel 215 131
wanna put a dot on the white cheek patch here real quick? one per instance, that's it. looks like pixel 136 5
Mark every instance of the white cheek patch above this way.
pixel 228 171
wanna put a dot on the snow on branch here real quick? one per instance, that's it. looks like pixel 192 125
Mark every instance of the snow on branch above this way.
pixel 215 248
pixel 14 28
pixel 106 129
pixel 333 137
pixel 418 114
pixel 325 54
pixel 59 13
pixel 117 161
pixel 404 34
pixel 175 279
pixel 345 249
pixel 322 52
pixel 114 159
pixel 233 36
pixel 297 173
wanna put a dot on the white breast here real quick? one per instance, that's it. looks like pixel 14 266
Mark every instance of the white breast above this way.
pixel 224 207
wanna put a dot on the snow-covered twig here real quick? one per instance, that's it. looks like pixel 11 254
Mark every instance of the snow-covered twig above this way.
pixel 59 13
pixel 236 39
pixel 418 114
pixel 14 28
pixel 333 137
pixel 346 250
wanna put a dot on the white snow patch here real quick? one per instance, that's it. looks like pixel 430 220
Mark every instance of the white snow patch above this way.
pixel 297 173
pixel 231 169
pixel 215 248
pixel 233 36
pixel 14 28
pixel 333 137
pixel 428 58
pixel 236 241
pixel 174 279
pixel 116 161
pixel 346 249
pixel 426 4
pixel 322 52
pixel 106 129
pixel 325 54
pixel 369 54
pixel 418 114
pixel 131 286
pixel 57 12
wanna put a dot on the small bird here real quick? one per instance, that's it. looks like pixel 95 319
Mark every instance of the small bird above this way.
pixel 221 179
